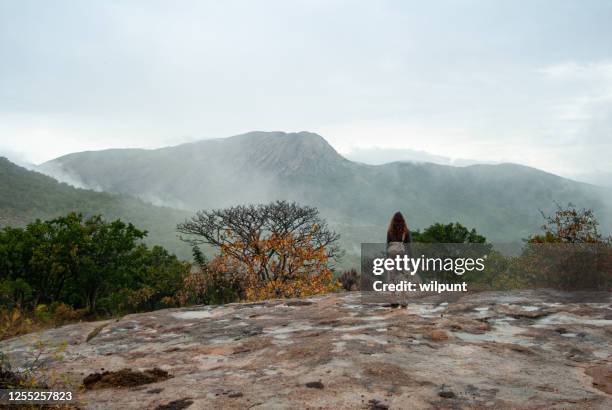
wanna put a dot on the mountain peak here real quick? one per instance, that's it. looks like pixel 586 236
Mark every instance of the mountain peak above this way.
pixel 302 137
pixel 293 151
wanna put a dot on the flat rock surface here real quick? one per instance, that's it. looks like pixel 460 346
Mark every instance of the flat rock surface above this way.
pixel 527 349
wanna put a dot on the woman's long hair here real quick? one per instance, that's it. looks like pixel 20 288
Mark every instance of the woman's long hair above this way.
pixel 398 229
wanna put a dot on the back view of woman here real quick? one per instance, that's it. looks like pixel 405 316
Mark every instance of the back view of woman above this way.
pixel 398 243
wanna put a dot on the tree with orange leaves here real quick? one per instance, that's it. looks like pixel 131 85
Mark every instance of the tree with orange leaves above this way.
pixel 276 250
pixel 570 225
pixel 571 254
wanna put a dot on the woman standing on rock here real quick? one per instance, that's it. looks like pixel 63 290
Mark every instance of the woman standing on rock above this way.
pixel 398 243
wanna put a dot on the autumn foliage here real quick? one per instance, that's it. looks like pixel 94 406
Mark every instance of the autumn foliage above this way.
pixel 570 254
pixel 279 250
pixel 286 267
pixel 570 225
pixel 208 283
pixel 283 268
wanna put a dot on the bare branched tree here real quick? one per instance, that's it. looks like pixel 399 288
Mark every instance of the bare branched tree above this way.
pixel 250 224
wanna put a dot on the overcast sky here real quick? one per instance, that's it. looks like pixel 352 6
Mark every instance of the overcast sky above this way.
pixel 521 81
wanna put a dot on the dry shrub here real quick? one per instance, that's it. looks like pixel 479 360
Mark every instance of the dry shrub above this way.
pixel 13 323
pixel 33 371
pixel 350 280
pixel 63 313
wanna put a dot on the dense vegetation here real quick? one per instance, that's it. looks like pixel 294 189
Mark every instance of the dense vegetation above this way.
pixel 75 267
pixel 28 195
pixel 72 267
pixel 448 233
pixel 569 254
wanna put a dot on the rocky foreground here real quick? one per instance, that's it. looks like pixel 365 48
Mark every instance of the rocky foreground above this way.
pixel 529 349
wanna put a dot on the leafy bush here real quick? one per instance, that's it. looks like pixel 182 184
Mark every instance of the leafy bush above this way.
pixel 453 241
pixel 53 272
pixel 569 254
pixel 447 233
pixel 207 284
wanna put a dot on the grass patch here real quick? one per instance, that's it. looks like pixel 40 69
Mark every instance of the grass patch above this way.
pixel 96 331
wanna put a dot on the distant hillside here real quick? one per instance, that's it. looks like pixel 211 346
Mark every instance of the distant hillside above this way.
pixel 501 201
pixel 27 195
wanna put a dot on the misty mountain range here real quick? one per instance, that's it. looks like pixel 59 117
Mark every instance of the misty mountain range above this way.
pixel 380 156
pixel 502 201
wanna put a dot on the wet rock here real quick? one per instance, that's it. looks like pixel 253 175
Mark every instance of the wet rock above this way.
pixel 530 312
pixel 490 347
pixel 235 395
pixel 577 355
pixel 175 405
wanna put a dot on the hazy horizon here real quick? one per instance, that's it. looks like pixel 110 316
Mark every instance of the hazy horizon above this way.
pixel 370 77
pixel 371 155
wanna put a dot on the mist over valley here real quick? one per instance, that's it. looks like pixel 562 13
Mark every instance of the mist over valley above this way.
pixel 501 201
